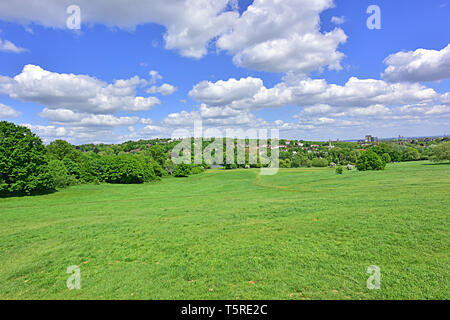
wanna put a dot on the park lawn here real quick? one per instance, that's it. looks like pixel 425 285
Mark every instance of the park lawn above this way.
pixel 301 234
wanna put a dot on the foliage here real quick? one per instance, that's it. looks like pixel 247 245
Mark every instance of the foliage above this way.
pixel 286 163
pixel 182 170
pixel 339 170
pixel 169 166
pixel 386 158
pixel 60 175
pixel 410 154
pixel 197 169
pixel 319 162
pixel 127 169
pixel 369 160
pixel 60 149
pixel 441 152
pixel 23 164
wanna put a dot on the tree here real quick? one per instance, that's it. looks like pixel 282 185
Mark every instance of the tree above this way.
pixel 158 153
pixel 441 152
pixel 60 175
pixel 369 160
pixel 169 166
pixel 410 154
pixel 319 162
pixel 386 158
pixel 127 169
pixel 23 163
pixel 60 149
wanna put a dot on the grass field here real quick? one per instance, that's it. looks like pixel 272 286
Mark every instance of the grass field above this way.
pixel 301 234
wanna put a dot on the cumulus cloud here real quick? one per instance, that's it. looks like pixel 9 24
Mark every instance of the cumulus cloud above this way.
pixel 250 93
pixel 8 112
pixel 165 89
pixel 282 36
pixel 419 65
pixel 225 92
pixel 80 93
pixel 270 35
pixel 338 20
pixel 69 117
pixel 8 46
pixel 190 24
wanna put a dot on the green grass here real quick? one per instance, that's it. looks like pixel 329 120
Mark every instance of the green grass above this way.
pixel 301 234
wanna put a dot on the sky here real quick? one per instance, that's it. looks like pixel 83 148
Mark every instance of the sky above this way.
pixel 312 69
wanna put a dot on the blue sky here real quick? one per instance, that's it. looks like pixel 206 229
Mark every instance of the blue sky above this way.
pixel 229 68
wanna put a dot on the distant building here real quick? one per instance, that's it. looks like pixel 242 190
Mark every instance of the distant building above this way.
pixel 370 139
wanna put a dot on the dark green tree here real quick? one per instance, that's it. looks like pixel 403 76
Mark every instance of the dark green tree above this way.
pixel 369 160
pixel 23 162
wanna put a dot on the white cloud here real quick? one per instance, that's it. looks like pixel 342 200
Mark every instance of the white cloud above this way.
pixel 8 46
pixel 8 112
pixel 190 24
pixel 165 89
pixel 80 93
pixel 68 117
pixel 271 35
pixel 250 93
pixel 225 92
pixel 282 36
pixel 338 20
pixel 154 76
pixel 419 65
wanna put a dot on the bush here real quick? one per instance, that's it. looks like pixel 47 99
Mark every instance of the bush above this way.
pixel 286 163
pixel 369 160
pixel 182 170
pixel 386 158
pixel 197 170
pixel 127 169
pixel 339 170
pixel 23 164
pixel 320 162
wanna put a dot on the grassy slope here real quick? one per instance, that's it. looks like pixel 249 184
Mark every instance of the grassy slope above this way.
pixel 304 233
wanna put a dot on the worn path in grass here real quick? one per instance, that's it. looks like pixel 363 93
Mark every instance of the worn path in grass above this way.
pixel 301 234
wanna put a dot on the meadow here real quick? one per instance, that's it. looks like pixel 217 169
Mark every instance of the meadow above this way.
pixel 304 233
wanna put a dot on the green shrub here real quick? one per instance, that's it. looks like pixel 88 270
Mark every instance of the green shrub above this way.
pixel 197 170
pixel 369 160
pixel 127 169
pixel 339 170
pixel 319 162
pixel 182 170
pixel 286 163
pixel 386 158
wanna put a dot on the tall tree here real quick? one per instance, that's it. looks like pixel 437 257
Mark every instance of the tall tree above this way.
pixel 23 164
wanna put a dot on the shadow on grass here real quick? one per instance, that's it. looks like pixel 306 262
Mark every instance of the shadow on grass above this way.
pixel 436 164
pixel 31 194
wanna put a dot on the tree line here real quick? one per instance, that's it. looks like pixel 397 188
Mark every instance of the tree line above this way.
pixel 28 166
